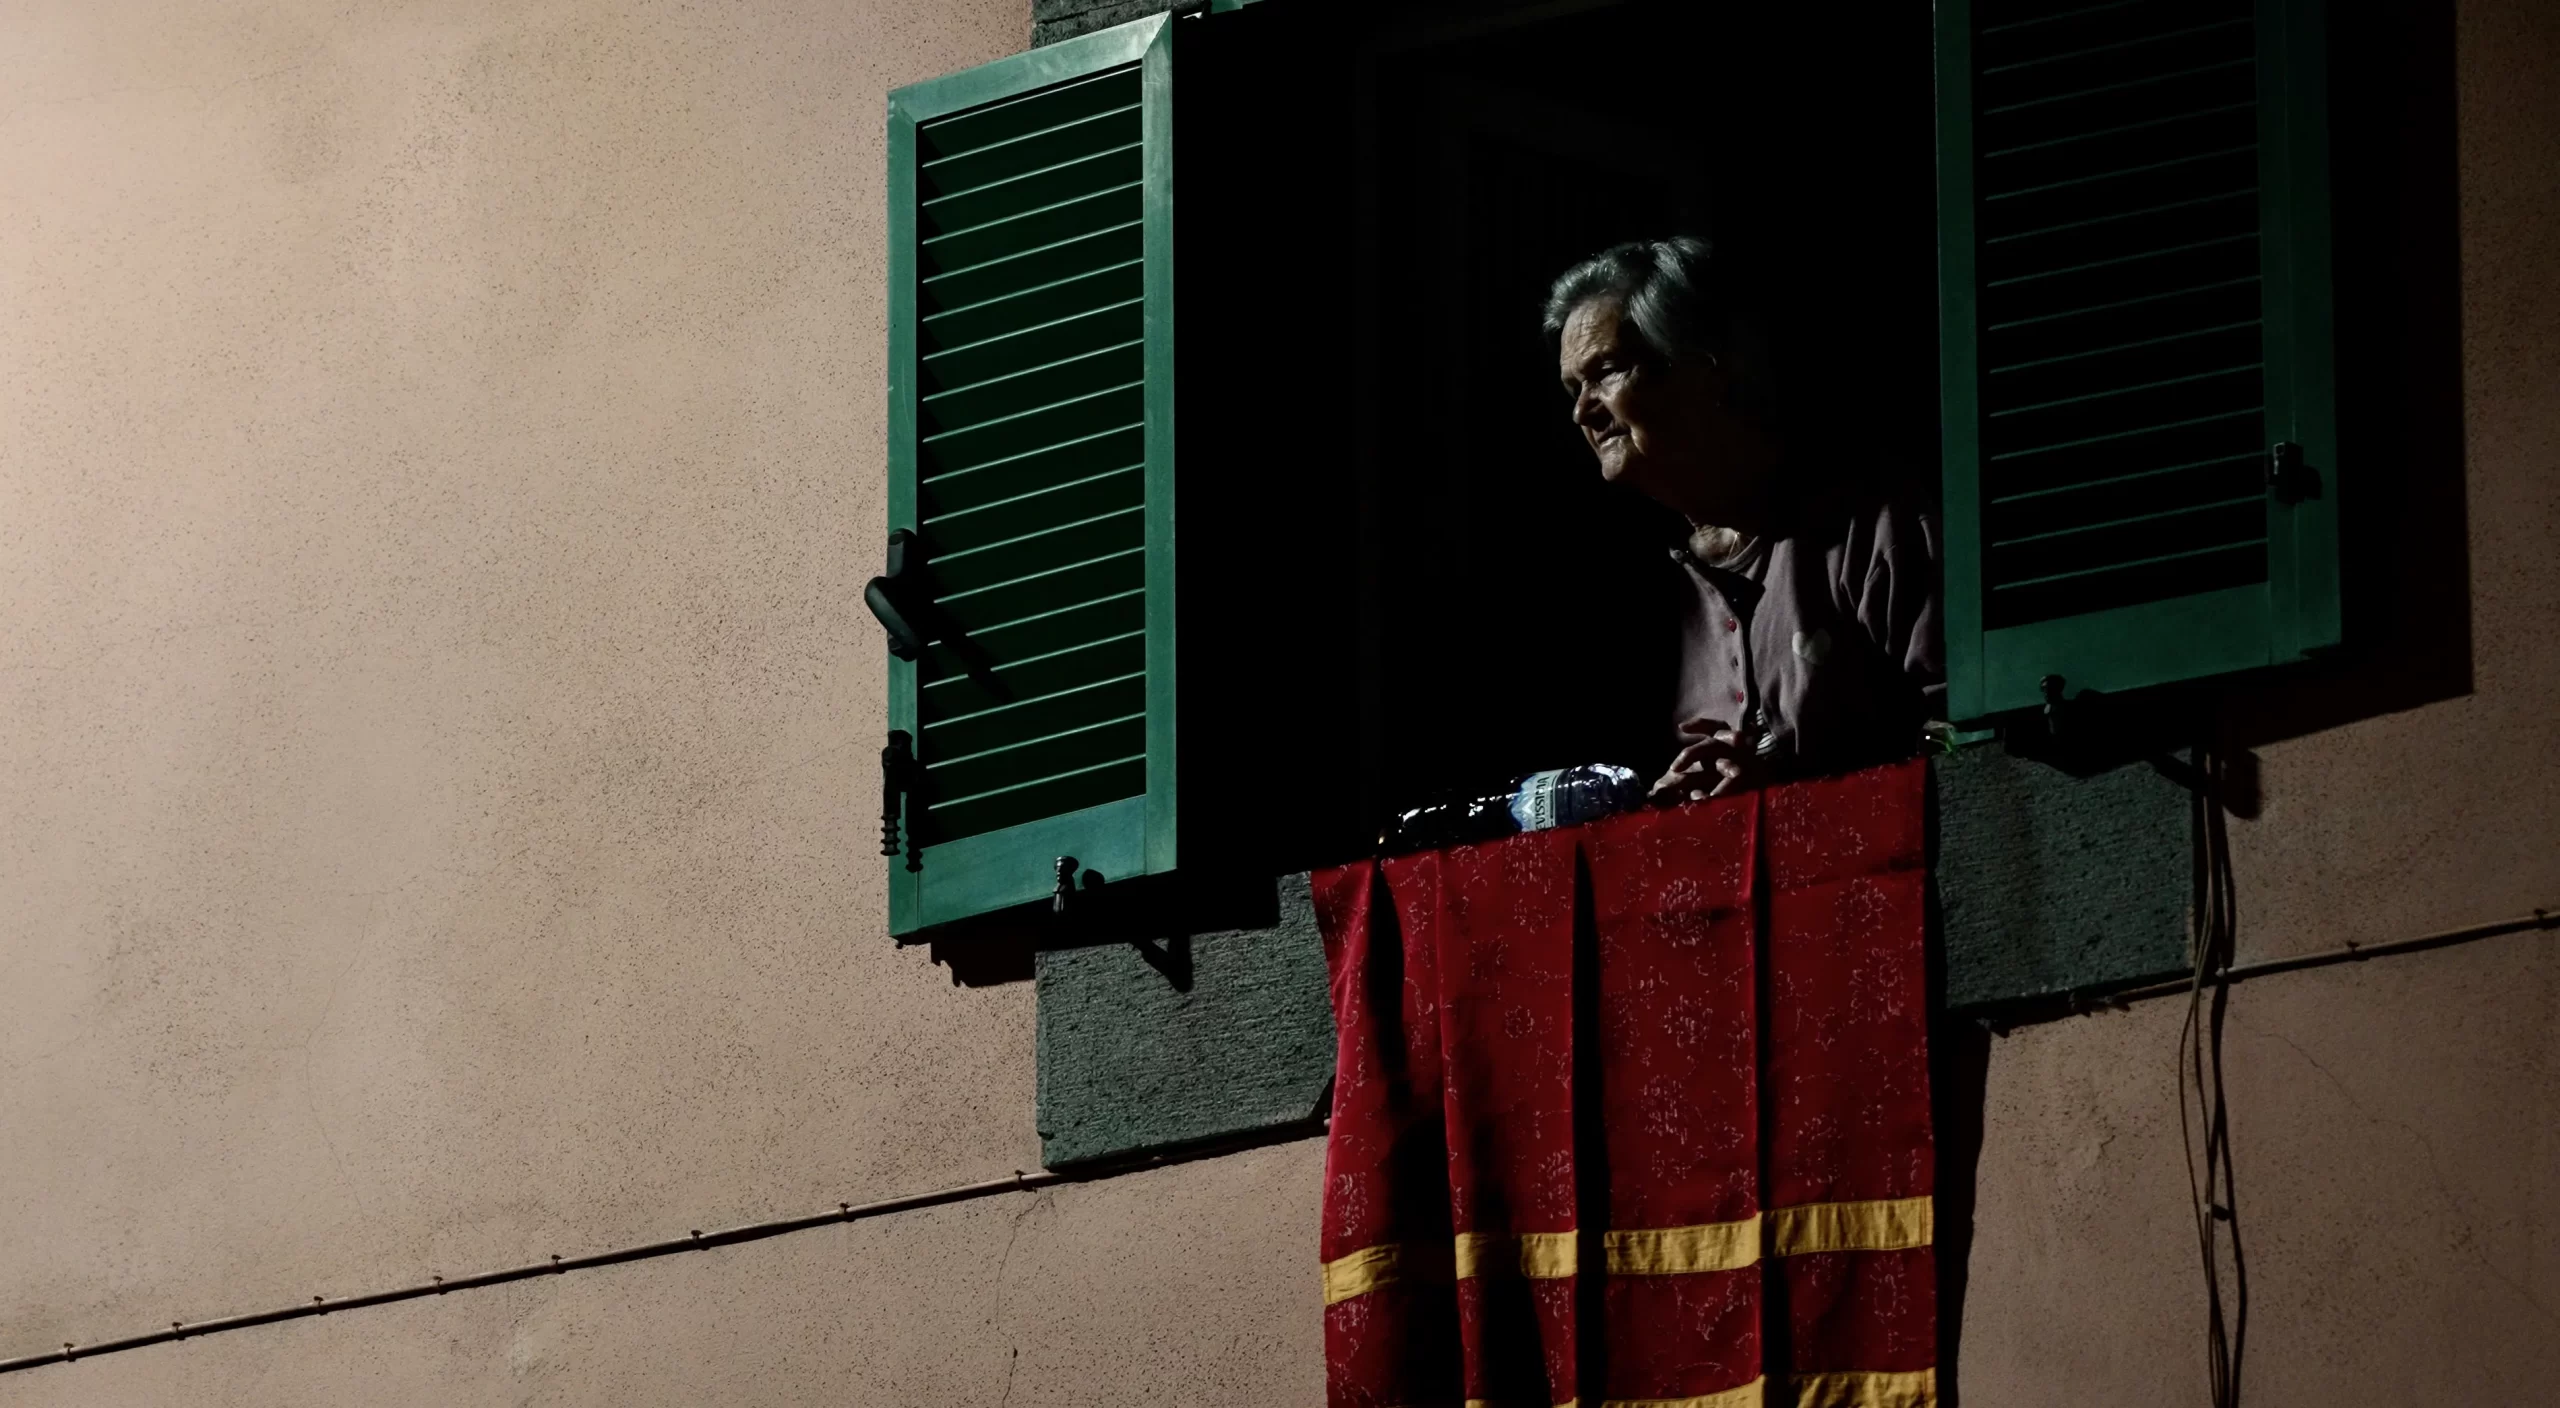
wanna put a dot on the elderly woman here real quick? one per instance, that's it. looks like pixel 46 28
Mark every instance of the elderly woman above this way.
pixel 1809 636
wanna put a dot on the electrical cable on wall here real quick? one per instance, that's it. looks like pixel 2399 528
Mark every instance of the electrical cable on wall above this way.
pixel 2213 928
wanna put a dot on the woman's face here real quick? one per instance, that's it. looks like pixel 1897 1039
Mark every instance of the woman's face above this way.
pixel 1654 427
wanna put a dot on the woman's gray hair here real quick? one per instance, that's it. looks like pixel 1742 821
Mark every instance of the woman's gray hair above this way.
pixel 1673 295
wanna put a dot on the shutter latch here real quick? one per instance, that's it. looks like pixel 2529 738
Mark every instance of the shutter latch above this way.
pixel 2056 708
pixel 897 776
pixel 2288 478
pixel 890 595
pixel 1062 900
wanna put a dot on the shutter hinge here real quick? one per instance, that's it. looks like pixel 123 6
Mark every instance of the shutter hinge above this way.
pixel 890 595
pixel 897 783
pixel 2288 478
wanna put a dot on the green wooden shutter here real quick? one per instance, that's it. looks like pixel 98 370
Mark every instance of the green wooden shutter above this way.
pixel 1030 451
pixel 2134 285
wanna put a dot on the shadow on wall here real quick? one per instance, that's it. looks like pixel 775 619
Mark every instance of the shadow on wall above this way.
pixel 2399 346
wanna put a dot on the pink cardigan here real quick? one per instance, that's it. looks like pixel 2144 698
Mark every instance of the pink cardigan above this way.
pixel 1825 637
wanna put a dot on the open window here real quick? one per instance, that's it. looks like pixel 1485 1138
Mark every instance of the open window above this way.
pixel 1261 284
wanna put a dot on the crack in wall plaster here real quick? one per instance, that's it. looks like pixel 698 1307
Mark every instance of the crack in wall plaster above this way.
pixel 2467 1238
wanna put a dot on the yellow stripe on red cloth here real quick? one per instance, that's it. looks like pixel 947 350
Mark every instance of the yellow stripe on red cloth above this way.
pixel 1885 1225
pixel 1540 1256
pixel 1676 1251
pixel 1917 1388
pixel 1371 1267
pixel 1747 1396
pixel 1913 1389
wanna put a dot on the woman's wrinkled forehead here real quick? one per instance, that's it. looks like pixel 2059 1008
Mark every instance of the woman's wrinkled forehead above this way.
pixel 1596 331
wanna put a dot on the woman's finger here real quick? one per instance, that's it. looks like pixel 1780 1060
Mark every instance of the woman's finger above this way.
pixel 1700 753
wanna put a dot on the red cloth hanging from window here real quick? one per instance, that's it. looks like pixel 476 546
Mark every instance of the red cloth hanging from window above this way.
pixel 1703 1126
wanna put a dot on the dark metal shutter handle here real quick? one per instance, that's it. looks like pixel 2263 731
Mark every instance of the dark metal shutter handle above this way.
pixel 2288 478
pixel 888 595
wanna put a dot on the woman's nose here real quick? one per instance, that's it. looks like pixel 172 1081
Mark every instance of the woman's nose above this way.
pixel 1588 412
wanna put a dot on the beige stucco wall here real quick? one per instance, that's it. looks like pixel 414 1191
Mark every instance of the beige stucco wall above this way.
pixel 438 461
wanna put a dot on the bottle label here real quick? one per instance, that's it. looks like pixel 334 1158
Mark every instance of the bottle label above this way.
pixel 1534 805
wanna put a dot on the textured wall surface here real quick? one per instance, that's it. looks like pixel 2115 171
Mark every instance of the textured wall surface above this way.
pixel 1053 20
pixel 1214 1035
pixel 2049 883
pixel 438 460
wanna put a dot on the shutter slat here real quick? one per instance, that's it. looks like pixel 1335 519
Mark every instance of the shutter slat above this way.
pixel 972 249
pixel 1031 761
pixel 1032 269
pixel 1061 548
pixel 1032 151
pixel 958 694
pixel 2115 436
pixel 2242 545
pixel 2119 303
pixel 2122 128
pixel 1054 712
pixel 1000 122
pixel 1081 602
pixel 2114 47
pixel 1116 447
pixel 941 402
pixel 2105 89
pixel 1020 349
pixel 2245 192
pixel 2117 261
pixel 2073 375
pixel 2122 172
pixel 1016 517
pixel 1086 602
pixel 2115 391
pixel 2084 485
pixel 2127 521
pixel 1028 432
pixel 1031 801
pixel 2136 345
pixel 955 209
pixel 2035 20
pixel 1034 389
pixel 947 804
pixel 968 325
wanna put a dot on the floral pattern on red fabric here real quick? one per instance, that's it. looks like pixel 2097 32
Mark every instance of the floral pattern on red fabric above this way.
pixel 1753 1042
pixel 1506 1051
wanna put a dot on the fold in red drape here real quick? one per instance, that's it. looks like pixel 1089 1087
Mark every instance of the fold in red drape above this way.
pixel 1637 1112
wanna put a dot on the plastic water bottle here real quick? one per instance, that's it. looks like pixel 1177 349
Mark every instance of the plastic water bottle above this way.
pixel 1534 801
